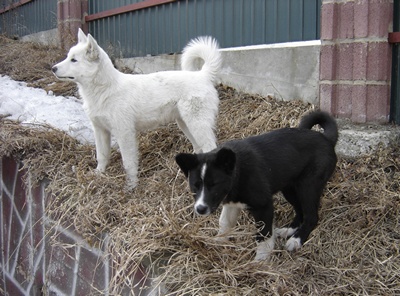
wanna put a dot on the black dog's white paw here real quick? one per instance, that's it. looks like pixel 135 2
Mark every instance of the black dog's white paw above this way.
pixel 285 232
pixel 293 244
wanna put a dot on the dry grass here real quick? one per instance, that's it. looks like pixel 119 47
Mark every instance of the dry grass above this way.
pixel 354 249
pixel 31 62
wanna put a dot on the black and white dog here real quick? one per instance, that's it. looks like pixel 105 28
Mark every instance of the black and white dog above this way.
pixel 244 174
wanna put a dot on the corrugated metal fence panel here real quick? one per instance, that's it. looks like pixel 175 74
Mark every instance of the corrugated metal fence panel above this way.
pixel 167 28
pixel 32 17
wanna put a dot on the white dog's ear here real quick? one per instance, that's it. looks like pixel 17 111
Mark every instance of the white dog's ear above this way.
pixel 92 50
pixel 81 36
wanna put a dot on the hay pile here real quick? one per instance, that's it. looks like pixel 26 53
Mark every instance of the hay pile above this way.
pixel 354 249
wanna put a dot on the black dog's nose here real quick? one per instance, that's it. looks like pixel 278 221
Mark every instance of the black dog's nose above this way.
pixel 201 209
pixel 54 69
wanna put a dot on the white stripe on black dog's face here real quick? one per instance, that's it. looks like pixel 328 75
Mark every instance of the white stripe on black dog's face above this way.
pixel 200 207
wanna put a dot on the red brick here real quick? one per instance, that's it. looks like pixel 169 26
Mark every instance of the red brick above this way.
pixel 360 51
pixel 60 276
pixel 37 211
pixel 379 61
pixel 328 21
pixel 92 269
pixel 84 288
pixel 359 103
pixel 21 201
pixel 380 15
pixel 9 173
pixel 344 101
pixel 64 251
pixel 344 68
pixel 7 210
pixel 15 235
pixel 345 22
pixel 327 62
pixel 11 288
pixel 38 281
pixel 24 269
pixel 378 103
pixel 327 98
pixel 37 215
pixel 361 19
pixel 37 193
pixel 37 239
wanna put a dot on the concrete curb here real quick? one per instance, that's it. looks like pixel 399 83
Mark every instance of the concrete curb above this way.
pixel 357 140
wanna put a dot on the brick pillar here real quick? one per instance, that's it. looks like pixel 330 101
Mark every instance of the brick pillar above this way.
pixel 70 18
pixel 355 63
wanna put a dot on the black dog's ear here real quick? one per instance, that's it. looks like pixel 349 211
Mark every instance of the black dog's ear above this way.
pixel 226 159
pixel 186 162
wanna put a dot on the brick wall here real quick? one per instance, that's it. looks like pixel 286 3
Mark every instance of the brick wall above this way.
pixel 355 65
pixel 70 15
pixel 41 257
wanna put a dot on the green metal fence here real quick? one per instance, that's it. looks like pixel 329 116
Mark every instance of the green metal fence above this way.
pixel 29 18
pixel 166 28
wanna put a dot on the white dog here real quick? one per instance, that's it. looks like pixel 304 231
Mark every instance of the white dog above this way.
pixel 123 104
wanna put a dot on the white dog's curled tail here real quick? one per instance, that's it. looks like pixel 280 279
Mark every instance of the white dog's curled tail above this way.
pixel 202 53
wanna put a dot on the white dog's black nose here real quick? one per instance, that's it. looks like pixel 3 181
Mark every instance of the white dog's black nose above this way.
pixel 202 210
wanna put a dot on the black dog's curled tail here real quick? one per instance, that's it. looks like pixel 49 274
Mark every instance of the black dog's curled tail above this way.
pixel 326 121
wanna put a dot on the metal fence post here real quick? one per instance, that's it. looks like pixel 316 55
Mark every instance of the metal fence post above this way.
pixel 394 38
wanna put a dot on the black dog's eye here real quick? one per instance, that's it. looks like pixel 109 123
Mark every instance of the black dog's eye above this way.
pixel 73 60
pixel 210 184
pixel 197 185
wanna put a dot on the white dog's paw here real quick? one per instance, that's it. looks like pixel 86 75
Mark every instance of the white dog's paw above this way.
pixel 221 238
pixel 220 241
pixel 101 168
pixel 95 173
pixel 285 231
pixel 131 184
pixel 293 244
pixel 98 172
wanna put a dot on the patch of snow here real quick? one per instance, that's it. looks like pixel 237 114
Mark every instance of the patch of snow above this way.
pixel 34 106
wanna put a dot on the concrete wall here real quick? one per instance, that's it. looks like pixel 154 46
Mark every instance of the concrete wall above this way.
pixel 49 37
pixel 286 71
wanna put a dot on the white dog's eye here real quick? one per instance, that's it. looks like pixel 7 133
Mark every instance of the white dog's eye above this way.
pixel 73 60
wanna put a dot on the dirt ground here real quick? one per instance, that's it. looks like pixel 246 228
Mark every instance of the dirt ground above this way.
pixel 354 250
